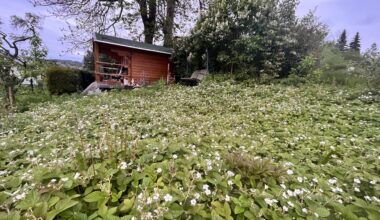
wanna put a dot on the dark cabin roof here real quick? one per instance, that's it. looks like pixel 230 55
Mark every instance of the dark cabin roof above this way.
pixel 131 44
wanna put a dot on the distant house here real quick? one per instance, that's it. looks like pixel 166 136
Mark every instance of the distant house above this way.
pixel 125 62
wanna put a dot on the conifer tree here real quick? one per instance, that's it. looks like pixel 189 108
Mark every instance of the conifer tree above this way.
pixel 355 44
pixel 342 41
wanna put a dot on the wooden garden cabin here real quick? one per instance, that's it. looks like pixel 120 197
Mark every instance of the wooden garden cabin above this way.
pixel 122 62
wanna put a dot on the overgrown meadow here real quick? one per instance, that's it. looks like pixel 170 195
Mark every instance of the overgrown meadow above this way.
pixel 216 151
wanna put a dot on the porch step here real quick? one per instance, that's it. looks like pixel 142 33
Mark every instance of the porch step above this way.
pixel 92 89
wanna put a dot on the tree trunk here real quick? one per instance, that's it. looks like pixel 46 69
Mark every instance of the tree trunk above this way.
pixel 168 27
pixel 9 97
pixel 148 11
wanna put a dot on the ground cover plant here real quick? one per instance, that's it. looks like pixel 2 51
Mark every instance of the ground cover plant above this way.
pixel 217 151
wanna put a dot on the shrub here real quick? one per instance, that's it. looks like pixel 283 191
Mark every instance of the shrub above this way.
pixel 257 169
pixel 62 80
pixel 305 67
pixel 87 78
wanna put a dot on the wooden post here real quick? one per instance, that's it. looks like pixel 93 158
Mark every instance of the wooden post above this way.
pixel 96 59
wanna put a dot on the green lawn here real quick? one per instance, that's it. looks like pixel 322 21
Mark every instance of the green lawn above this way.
pixel 219 150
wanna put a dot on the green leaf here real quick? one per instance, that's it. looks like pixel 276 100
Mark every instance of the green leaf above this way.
pixel 174 211
pixel 96 196
pixel 237 181
pixel 30 201
pixel 60 207
pixel 322 212
pixel 238 210
pixel 127 205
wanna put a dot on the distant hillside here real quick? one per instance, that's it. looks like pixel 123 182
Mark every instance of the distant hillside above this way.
pixel 67 63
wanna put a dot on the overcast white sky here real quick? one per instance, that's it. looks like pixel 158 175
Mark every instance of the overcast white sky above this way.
pixel 354 15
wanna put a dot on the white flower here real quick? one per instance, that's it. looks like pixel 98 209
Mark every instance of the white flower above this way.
pixel 64 179
pixel 270 202
pixel 230 183
pixel 373 182
pixel 367 198
pixel 315 180
pixel 193 202
pixel 168 198
pixel 123 165
pixel 205 187
pixel 53 180
pixel 322 143
pixel 290 204
pixel 149 201
pixel 159 170
pixel 76 176
pixel 266 187
pixel 316 214
pixel 208 192
pixel 227 198
pixel 300 179
pixel 156 197
pixel 230 173
pixel 375 199
pixel 332 181
pixel 289 172
pixel 356 180
pixel 198 175
pixel 288 164
pixel 197 195
pixel 285 208
pixel 175 156
pixel 20 196
pixel 332 148
pixel 356 189
pixel 283 186
pixel 304 210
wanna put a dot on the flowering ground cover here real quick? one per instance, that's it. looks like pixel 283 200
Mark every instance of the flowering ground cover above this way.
pixel 219 150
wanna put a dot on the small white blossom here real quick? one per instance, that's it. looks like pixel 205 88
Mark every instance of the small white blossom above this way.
pixel 197 195
pixel 290 204
pixel 193 202
pixel 230 173
pixel 304 210
pixel 332 181
pixel 356 180
pixel 123 165
pixel 64 179
pixel 230 183
pixel 159 170
pixel 227 198
pixel 289 172
pixel 270 202
pixel 356 189
pixel 168 198
pixel 175 156
pixel 300 179
pixel 76 176
pixel 285 208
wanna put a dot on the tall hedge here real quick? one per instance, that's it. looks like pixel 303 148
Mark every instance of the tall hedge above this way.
pixel 62 80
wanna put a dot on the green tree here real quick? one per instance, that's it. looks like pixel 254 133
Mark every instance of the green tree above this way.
pixel 88 61
pixel 355 44
pixel 16 62
pixel 262 38
pixel 342 41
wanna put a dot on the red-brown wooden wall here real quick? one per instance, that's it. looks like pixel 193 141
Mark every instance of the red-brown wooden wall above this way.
pixel 145 68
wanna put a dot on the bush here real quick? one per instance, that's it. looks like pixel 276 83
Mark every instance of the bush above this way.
pixel 62 80
pixel 86 78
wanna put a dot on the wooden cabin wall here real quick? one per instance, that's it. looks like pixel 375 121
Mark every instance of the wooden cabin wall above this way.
pixel 146 67
pixel 149 67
